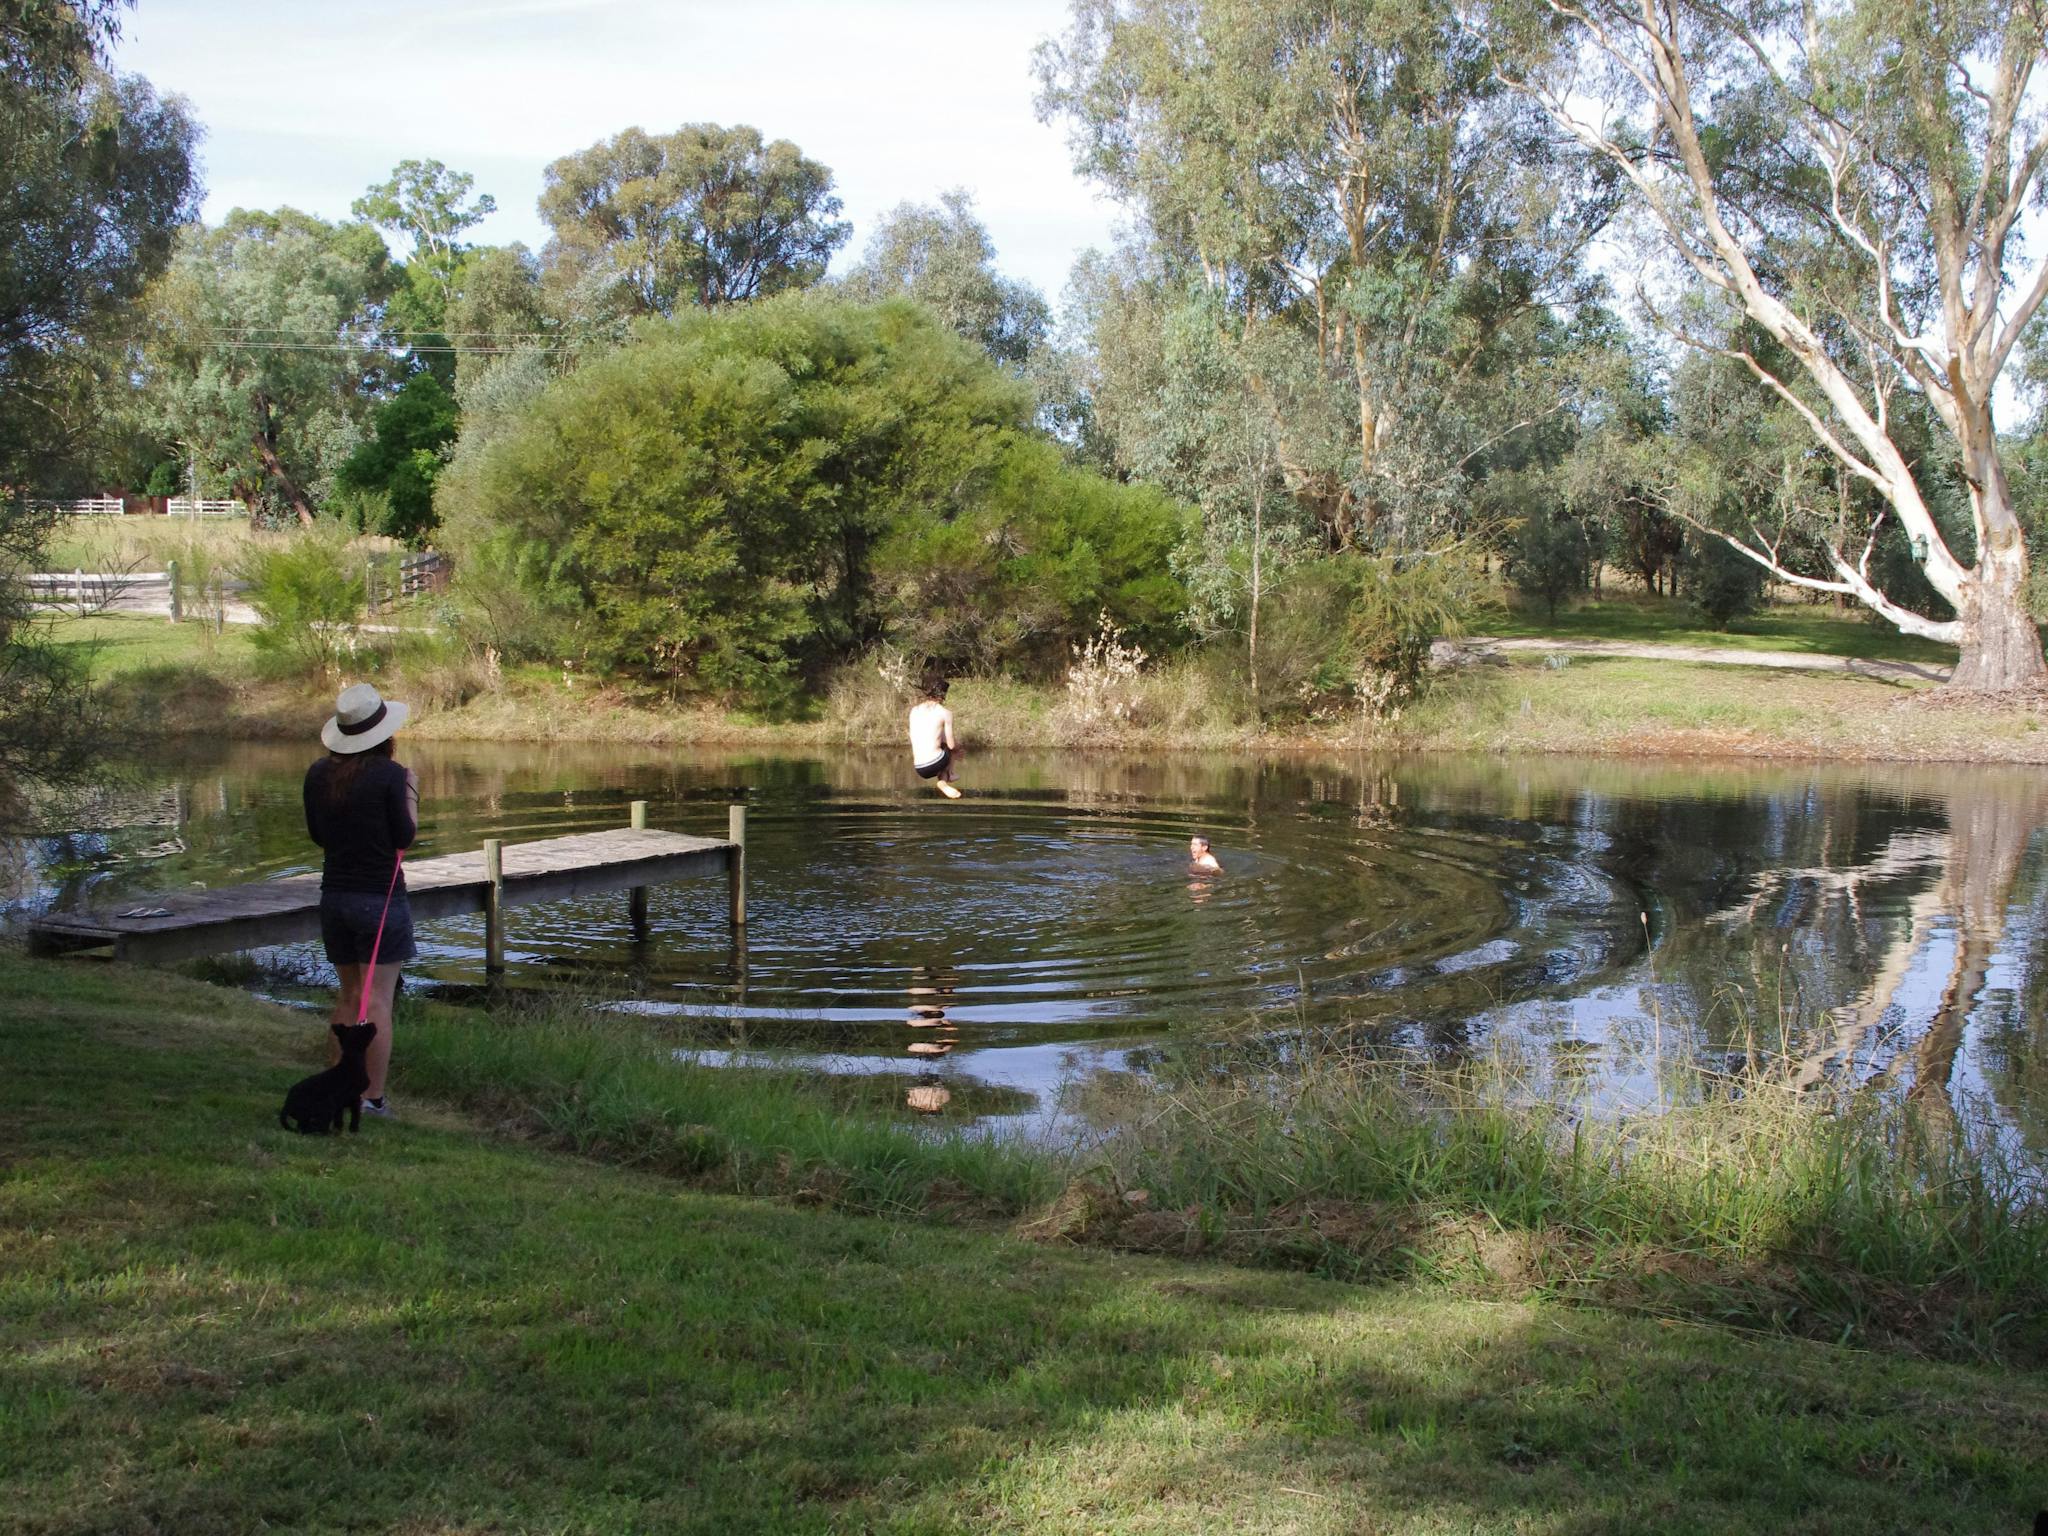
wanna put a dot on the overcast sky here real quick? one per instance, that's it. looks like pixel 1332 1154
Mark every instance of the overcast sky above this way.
pixel 308 104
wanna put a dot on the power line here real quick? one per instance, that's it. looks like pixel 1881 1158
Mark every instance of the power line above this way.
pixel 358 348
pixel 289 330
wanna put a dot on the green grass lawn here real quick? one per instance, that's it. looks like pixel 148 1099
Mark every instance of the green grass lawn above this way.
pixel 145 542
pixel 208 1325
pixel 117 643
pixel 1644 707
pixel 1811 628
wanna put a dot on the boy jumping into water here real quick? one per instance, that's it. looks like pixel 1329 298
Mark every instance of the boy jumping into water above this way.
pixel 933 748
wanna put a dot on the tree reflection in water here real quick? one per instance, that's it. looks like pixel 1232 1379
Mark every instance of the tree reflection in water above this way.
pixel 1933 938
pixel 1865 923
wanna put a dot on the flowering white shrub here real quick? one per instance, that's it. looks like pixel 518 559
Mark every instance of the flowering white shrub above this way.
pixel 1103 689
pixel 893 667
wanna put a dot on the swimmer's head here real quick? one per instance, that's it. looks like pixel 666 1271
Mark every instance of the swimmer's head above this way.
pixel 1197 846
pixel 934 687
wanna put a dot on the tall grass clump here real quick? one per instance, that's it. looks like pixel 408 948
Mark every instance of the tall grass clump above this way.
pixel 1746 1199
pixel 611 1087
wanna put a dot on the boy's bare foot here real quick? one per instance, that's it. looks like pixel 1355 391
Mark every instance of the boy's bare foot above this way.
pixel 948 790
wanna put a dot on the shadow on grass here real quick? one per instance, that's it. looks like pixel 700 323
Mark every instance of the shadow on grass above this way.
pixel 206 1325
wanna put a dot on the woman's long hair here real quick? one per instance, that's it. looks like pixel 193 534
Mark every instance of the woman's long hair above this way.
pixel 347 767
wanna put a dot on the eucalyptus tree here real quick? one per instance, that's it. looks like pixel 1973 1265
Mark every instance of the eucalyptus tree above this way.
pixel 262 347
pixel 430 207
pixel 705 215
pixel 1850 178
pixel 942 256
pixel 1197 439
pixel 99 174
pixel 1352 175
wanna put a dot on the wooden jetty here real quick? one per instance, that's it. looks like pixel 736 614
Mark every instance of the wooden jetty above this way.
pixel 490 879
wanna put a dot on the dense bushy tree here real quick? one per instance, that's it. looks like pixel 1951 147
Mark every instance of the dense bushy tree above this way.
pixel 99 172
pixel 1549 556
pixel 499 309
pixel 99 176
pixel 263 340
pixel 1721 582
pixel 396 465
pixel 743 494
pixel 1027 566
pixel 705 215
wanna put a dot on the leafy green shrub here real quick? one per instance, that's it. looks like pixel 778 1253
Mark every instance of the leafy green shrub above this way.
pixel 308 594
pixel 1353 631
pixel 743 498
pixel 394 469
pixel 1550 557
pixel 1722 584
pixel 202 582
pixel 506 594
pixel 1033 565
pixel 362 511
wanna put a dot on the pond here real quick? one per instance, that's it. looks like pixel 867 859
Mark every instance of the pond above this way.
pixel 1592 915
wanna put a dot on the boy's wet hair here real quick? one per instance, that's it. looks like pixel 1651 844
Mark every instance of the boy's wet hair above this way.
pixel 934 686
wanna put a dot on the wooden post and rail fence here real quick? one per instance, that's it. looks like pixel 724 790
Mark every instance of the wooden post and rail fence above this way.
pixel 387 581
pixel 489 880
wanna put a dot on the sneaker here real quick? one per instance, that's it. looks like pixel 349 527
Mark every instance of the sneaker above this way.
pixel 377 1107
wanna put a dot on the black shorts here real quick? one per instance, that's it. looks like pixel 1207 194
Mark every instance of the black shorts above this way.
pixel 934 770
pixel 348 927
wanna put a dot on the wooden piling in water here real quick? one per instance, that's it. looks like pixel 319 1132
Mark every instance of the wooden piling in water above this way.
pixel 736 867
pixel 494 906
pixel 636 898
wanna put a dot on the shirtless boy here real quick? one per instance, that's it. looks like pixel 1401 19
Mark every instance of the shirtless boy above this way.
pixel 933 749
pixel 1200 860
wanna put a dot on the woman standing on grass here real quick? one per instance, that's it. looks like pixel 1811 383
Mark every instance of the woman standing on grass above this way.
pixel 362 808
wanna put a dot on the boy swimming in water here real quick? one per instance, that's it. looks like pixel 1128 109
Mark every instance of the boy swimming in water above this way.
pixel 933 748
pixel 1200 860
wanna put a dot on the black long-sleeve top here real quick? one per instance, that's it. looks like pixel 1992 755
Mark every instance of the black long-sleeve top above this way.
pixel 363 828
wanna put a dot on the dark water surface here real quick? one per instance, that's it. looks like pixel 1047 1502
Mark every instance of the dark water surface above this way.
pixel 1587 913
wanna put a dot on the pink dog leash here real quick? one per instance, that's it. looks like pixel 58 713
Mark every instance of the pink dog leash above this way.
pixel 363 1007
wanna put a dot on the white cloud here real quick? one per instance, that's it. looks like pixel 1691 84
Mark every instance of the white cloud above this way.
pixel 902 98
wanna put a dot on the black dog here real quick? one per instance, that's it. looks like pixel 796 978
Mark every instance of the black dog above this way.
pixel 318 1102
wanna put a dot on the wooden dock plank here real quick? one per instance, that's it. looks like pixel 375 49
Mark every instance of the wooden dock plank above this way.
pixel 287 911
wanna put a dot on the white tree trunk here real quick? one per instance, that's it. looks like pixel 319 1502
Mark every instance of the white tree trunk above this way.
pixel 2001 649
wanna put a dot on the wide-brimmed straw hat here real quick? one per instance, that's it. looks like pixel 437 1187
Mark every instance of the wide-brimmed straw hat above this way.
pixel 363 718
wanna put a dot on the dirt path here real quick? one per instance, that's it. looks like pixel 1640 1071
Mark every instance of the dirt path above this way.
pixel 1479 648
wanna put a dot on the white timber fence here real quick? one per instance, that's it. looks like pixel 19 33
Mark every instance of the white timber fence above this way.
pixel 176 506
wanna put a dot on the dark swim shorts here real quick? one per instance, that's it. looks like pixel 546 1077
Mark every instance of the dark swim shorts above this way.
pixel 348 927
pixel 934 769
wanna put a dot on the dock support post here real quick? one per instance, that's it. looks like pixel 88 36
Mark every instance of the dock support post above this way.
pixel 736 868
pixel 636 898
pixel 494 906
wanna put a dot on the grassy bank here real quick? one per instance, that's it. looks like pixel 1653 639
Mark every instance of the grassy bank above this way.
pixel 1752 1203
pixel 1818 629
pixel 206 1325
pixel 167 676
